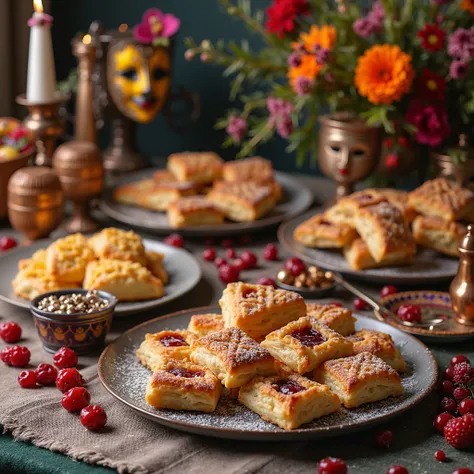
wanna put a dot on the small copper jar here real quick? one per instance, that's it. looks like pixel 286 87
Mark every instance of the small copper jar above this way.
pixel 80 170
pixel 35 201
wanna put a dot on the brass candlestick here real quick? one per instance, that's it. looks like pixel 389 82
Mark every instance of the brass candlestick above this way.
pixel 45 124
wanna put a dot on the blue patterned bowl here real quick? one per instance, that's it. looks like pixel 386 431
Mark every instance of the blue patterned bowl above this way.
pixel 83 332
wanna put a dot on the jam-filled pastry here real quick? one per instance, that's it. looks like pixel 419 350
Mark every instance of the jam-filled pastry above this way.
pixel 305 344
pixel 288 401
pixel 127 281
pixel 194 211
pixel 232 356
pixel 259 309
pixel 163 345
pixel 359 379
pixel 154 263
pixel 118 244
pixel 196 167
pixel 182 385
pixel 68 257
pixel 379 344
pixel 335 317
pixel 131 193
pixel 204 324
pixel 242 201
pixel 318 232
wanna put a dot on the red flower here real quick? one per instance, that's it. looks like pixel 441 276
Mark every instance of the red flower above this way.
pixel 282 15
pixel 432 37
pixel 431 86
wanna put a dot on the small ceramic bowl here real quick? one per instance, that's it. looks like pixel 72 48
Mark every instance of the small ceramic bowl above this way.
pixel 83 332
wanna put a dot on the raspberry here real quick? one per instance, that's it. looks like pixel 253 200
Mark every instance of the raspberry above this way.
pixel 397 470
pixel 271 252
pixel 227 243
pixel 466 406
pixel 76 399
pixel 249 259
pixel 64 358
pixel 19 356
pixel 441 420
pixel 239 264
pixel 27 379
pixel 230 253
pixel 410 313
pixel 460 393
pixel 266 281
pixel 46 374
pixel 446 388
pixel 457 359
pixel 7 243
pixel 93 417
pixel 384 439
pixel 69 378
pixel 360 304
pixel 463 470
pixel 332 466
pixel 209 255
pixel 388 290
pixel 463 373
pixel 10 332
pixel 291 261
pixel 448 374
pixel 459 432
pixel 448 404
pixel 175 240
pixel 5 355
pixel 228 274
pixel 220 261
pixel 440 456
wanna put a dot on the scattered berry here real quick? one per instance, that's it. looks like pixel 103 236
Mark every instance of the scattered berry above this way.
pixel 46 374
pixel 7 243
pixel 459 432
pixel 291 261
pixel 441 420
pixel 175 240
pixel 457 359
pixel 446 388
pixel 249 259
pixel 220 261
pixel 463 373
pixel 230 253
pixel 409 313
pixel 27 379
pixel 360 304
pixel 10 332
pixel 93 417
pixel 463 470
pixel 267 281
pixel 239 264
pixel 384 439
pixel 448 404
pixel 297 268
pixel 332 466
pixel 69 378
pixel 227 243
pixel 466 406
pixel 245 240
pixel 460 393
pixel 397 470
pixel 19 356
pixel 448 374
pixel 440 456
pixel 209 255
pixel 270 252
pixel 76 399
pixel 388 290
pixel 5 355
pixel 228 273
pixel 65 357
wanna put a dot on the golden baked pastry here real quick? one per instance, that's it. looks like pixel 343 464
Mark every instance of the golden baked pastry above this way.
pixel 255 169
pixel 399 199
pixel 68 257
pixel 444 199
pixel 196 167
pixel 204 324
pixel 438 234
pixel 182 385
pixel 232 356
pixel 242 201
pixel 193 211
pixel 154 263
pixel 305 344
pixel 318 232
pixel 117 244
pixel 379 344
pixel 288 401
pixel 131 193
pixel 37 260
pixel 127 281
pixel 359 379
pixel 335 317
pixel 259 309
pixel 159 347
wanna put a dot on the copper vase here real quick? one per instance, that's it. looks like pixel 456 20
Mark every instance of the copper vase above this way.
pixel 462 173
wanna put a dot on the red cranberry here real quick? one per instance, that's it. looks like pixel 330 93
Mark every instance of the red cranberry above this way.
pixel 397 470
pixel 446 388
pixel 270 252
pixel 267 281
pixel 227 243
pixel 332 466
pixel 384 439
pixel 65 357
pixel 288 388
pixel 209 255
pixel 460 393
pixel 448 374
pixel 76 399
pixel 173 340
pixel 93 417
pixel 297 268
pixel 448 404
pixel 69 378
pixel 292 261
pixel 27 379
pixel 457 359
pixel 19 356
pixel 409 313
pixel 360 304
pixel 46 374
pixel 245 240
pixel 175 240
pixel 239 264
pixel 440 421
pixel 462 470
pixel 388 290
pixel 466 406
pixel 440 456
pixel 220 261
pixel 228 274
pixel 7 243
pixel 5 355
pixel 230 253
pixel 308 336
pixel 10 332
pixel 249 259
pixel 188 374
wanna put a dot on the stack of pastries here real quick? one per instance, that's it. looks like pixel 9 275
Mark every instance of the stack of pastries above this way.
pixel 200 189
pixel 288 361
pixel 112 260
pixel 382 227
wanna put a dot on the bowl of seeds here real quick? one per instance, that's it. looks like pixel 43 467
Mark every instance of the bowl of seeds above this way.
pixel 75 318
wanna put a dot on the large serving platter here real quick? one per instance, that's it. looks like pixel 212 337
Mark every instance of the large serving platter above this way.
pixel 126 379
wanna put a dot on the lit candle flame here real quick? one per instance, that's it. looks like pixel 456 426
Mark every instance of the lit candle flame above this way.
pixel 38 6
pixel 87 39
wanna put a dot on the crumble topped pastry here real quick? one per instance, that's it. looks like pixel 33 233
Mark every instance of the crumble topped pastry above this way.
pixel 259 309
pixel 154 263
pixel 255 169
pixel 288 401
pixel 131 193
pixel 182 385
pixel 204 324
pixel 194 211
pixel 305 344
pixel 359 379
pixel 196 167
pixel 232 356
pixel 336 318
pixel 37 260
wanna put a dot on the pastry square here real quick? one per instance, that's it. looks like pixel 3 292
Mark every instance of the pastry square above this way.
pixel 288 401
pixel 444 199
pixel 318 232
pixel 379 344
pixel 164 345
pixel 182 385
pixel 305 344
pixel 196 167
pixel 242 201
pixel 400 199
pixel 131 193
pixel 336 318
pixel 232 356
pixel 154 263
pixel 255 169
pixel 68 257
pixel 204 324
pixel 127 281
pixel 118 244
pixel 359 379
pixel 386 232
pixel 438 234
pixel 259 309
pixel 194 211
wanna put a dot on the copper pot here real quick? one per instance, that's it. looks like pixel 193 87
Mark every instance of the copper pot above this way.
pixel 462 173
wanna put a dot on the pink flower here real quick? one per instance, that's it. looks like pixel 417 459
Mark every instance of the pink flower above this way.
pixel 303 85
pixel 458 69
pixel 431 122
pixel 277 106
pixel 285 126
pixel 155 24
pixel 237 128
pixel 294 59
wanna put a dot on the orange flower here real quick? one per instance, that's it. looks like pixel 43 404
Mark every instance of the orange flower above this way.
pixel 468 5
pixel 308 68
pixel 384 74
pixel 325 37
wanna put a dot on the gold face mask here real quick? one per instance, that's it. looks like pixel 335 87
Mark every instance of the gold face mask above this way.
pixel 139 79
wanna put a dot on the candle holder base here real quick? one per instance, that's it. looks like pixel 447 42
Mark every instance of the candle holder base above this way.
pixel 81 222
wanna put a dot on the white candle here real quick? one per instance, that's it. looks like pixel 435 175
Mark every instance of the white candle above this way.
pixel 41 81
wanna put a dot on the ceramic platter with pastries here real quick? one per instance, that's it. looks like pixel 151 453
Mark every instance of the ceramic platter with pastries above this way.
pixel 387 235
pixel 200 195
pixel 266 365
pixel 141 273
